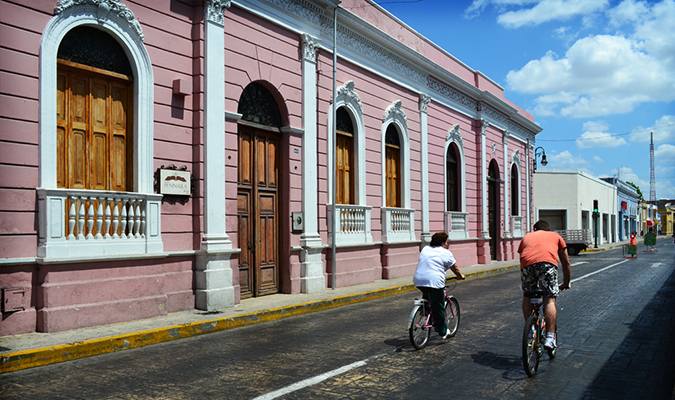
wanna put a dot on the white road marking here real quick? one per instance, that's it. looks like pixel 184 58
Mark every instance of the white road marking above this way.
pixel 598 271
pixel 579 263
pixel 315 380
pixel 656 265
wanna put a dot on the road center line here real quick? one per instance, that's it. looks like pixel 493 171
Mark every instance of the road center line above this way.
pixel 598 271
pixel 315 380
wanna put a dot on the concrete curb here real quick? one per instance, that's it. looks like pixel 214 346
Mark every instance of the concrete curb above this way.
pixel 17 361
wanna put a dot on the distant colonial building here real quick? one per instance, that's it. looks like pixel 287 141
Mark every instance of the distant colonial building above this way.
pixel 171 155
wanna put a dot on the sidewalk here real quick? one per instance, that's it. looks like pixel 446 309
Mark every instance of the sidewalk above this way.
pixel 37 349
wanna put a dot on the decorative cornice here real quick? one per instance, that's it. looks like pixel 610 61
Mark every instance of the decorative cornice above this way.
pixel 425 99
pixel 214 10
pixel 452 94
pixel 309 47
pixel 347 91
pixel 362 44
pixel 104 8
pixel 454 135
pixel 395 111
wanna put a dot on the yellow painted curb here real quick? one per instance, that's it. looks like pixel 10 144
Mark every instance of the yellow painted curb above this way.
pixel 11 362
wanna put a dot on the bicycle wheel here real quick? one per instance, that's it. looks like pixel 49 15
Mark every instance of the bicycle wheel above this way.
pixel 452 315
pixel 531 345
pixel 419 333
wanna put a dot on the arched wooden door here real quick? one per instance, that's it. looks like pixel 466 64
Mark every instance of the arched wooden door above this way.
pixel 258 210
pixel 493 208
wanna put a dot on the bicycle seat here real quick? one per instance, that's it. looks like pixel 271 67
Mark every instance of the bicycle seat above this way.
pixel 535 294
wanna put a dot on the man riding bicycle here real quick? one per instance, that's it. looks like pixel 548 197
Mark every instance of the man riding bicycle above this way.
pixel 539 252
pixel 429 277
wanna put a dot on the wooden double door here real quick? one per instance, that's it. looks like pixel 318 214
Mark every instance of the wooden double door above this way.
pixel 258 212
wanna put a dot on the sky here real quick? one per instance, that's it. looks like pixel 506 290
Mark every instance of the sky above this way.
pixel 598 75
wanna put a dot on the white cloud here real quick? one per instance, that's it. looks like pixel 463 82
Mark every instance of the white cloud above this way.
pixel 595 136
pixel 663 129
pixel 598 159
pixel 567 160
pixel 607 74
pixel 627 12
pixel 665 154
pixel 550 10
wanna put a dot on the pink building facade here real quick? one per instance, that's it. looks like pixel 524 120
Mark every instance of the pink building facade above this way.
pixel 177 155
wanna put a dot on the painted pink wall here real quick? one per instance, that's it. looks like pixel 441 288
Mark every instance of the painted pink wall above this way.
pixel 66 296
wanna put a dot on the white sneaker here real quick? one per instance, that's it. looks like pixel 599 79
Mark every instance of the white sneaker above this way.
pixel 550 342
pixel 447 335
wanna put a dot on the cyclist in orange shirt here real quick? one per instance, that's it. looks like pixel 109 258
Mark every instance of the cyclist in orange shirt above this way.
pixel 539 252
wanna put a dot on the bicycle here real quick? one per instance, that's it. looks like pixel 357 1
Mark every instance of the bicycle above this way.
pixel 534 334
pixel 422 320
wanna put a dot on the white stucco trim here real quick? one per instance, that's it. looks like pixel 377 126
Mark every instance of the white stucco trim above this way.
pixel 515 165
pixel 455 136
pixel 507 173
pixel 132 43
pixel 394 114
pixel 424 151
pixel 347 97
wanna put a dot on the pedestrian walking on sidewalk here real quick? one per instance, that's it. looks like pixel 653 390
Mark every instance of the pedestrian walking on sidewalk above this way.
pixel 435 259
pixel 539 253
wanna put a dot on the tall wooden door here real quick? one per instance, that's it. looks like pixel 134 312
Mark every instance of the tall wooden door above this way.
pixel 257 210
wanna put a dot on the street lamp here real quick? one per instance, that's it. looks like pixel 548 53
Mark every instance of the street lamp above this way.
pixel 539 152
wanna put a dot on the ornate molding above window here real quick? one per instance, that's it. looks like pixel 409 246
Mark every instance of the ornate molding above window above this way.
pixel 454 135
pixel 516 157
pixel 347 91
pixel 105 7
pixel 214 9
pixel 395 111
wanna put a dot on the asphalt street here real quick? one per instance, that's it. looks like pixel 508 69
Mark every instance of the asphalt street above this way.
pixel 616 331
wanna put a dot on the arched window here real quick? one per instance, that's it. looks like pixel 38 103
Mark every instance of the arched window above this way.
pixel 515 191
pixel 344 158
pixel 258 105
pixel 393 167
pixel 94 109
pixel 452 179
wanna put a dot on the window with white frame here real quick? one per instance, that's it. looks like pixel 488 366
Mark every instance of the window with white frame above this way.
pixel 96 129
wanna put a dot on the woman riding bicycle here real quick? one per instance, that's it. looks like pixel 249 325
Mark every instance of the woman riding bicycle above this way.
pixel 429 277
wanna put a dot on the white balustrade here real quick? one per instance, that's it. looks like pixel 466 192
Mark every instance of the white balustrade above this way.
pixel 353 224
pixel 398 224
pixel 517 227
pixel 89 223
pixel 457 224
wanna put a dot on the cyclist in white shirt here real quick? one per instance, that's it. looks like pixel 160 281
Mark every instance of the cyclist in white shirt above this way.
pixel 435 259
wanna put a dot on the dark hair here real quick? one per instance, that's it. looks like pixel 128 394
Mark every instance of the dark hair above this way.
pixel 542 225
pixel 438 239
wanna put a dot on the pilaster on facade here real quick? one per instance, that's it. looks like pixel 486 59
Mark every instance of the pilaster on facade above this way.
pixel 215 290
pixel 424 101
pixel 485 233
pixel 312 270
pixel 507 170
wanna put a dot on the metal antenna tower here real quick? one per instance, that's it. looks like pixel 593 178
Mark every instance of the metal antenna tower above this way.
pixel 652 179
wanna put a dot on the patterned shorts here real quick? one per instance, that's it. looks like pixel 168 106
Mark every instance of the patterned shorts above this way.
pixel 540 276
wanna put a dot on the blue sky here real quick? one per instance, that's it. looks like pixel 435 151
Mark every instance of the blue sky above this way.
pixel 598 75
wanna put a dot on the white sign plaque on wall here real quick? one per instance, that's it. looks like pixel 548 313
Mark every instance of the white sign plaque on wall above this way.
pixel 174 182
